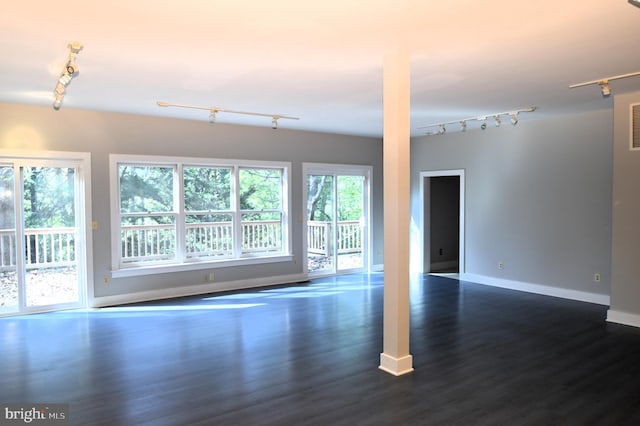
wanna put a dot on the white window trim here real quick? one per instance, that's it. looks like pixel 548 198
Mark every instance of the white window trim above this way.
pixel 631 126
pixel 119 270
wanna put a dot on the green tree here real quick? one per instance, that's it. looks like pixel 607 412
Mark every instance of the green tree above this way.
pixel 319 197
pixel 260 189
pixel 207 188
pixel 147 189
pixel 48 197
pixel 350 197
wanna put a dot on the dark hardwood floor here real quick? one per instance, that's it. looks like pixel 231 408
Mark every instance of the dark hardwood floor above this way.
pixel 309 354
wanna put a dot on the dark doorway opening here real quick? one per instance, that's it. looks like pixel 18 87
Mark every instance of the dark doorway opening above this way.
pixel 442 219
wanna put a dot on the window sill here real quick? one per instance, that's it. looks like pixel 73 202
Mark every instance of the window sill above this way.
pixel 135 271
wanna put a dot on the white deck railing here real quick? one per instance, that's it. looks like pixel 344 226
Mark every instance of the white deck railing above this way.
pixel 207 239
pixel 55 247
pixel 44 247
pixel 319 235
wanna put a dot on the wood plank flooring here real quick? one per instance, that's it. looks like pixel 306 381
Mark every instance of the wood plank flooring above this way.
pixel 308 355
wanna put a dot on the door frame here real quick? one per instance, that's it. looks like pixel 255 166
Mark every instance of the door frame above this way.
pixel 423 267
pixel 84 255
pixel 339 170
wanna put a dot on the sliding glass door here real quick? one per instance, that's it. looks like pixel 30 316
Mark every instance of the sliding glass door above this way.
pixel 42 240
pixel 337 214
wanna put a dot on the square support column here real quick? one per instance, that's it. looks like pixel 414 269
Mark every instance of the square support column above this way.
pixel 396 358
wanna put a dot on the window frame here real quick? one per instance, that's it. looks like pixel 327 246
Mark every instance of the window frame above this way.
pixel 634 127
pixel 181 261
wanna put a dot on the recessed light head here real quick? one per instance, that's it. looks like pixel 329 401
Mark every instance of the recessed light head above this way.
pixel 497 120
pixel 514 118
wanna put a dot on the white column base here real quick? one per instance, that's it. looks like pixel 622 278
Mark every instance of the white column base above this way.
pixel 396 366
pixel 625 318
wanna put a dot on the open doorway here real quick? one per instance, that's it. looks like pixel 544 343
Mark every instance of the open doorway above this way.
pixel 442 221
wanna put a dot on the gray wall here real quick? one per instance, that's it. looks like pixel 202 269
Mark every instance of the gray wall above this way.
pixel 101 134
pixel 538 198
pixel 625 246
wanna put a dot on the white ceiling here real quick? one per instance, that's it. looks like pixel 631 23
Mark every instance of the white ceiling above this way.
pixel 320 61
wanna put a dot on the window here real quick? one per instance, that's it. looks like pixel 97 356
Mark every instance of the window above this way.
pixel 179 213
pixel 147 213
pixel 261 210
pixel 208 213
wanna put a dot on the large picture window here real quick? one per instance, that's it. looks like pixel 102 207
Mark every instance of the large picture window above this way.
pixel 187 213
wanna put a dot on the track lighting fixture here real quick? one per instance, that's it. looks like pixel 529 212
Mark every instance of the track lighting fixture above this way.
pixel 69 71
pixel 214 110
pixel 605 88
pixel 497 117
pixel 604 82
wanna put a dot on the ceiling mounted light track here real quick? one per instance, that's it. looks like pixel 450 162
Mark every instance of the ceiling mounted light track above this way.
pixel 482 118
pixel 214 110
pixel 69 71
pixel 604 83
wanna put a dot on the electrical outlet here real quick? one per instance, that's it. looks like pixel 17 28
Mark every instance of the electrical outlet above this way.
pixel 596 277
pixel 105 279
pixel 501 265
pixel 210 277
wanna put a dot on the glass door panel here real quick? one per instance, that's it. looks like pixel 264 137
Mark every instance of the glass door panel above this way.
pixel 50 235
pixel 8 266
pixel 337 218
pixel 350 225
pixel 320 224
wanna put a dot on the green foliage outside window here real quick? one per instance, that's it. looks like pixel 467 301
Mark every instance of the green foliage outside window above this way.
pixel 208 209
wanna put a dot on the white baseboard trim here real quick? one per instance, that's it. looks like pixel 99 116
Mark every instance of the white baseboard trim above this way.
pixel 396 366
pixel 625 318
pixel 564 293
pixel 215 287
pixel 377 268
